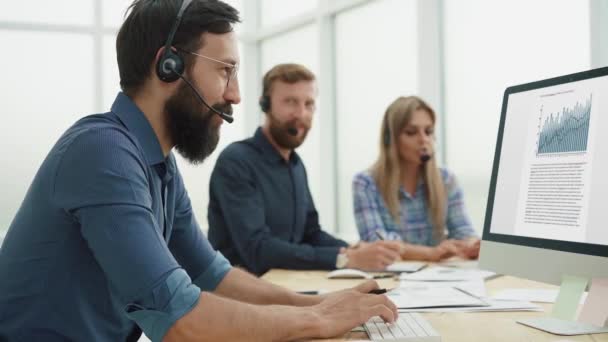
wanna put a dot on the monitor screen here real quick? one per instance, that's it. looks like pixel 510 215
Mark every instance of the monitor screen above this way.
pixel 553 179
pixel 550 178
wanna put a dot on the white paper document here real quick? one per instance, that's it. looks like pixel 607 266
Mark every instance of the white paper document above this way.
pixel 440 273
pixel 475 287
pixel 532 295
pixel 427 297
pixel 459 263
pixel 493 305
pixel 405 266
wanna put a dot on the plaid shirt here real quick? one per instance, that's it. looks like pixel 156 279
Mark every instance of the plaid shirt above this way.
pixel 372 214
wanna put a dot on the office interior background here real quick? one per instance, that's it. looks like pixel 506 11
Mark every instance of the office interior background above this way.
pixel 59 64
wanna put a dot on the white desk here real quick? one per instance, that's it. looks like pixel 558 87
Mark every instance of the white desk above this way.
pixel 453 327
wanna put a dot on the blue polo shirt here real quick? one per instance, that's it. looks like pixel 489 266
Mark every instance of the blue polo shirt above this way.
pixel 105 241
pixel 261 214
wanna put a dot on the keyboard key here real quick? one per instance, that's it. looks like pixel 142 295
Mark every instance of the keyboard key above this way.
pixel 418 330
pixel 409 327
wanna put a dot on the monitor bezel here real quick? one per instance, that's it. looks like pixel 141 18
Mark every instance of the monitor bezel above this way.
pixel 557 245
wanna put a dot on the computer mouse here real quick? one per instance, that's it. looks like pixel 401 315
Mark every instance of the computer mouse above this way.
pixel 348 273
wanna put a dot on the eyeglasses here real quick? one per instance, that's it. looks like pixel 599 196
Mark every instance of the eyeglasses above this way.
pixel 231 69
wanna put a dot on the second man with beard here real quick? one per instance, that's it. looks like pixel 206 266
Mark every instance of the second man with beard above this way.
pixel 261 214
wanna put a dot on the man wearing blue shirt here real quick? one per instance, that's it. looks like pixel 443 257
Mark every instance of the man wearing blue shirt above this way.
pixel 105 242
pixel 261 214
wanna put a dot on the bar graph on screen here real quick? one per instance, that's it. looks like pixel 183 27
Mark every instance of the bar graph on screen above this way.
pixel 566 131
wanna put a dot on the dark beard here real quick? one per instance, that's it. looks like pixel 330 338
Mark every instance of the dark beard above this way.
pixel 279 133
pixel 191 129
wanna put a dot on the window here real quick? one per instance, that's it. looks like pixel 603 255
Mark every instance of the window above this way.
pixel 48 87
pixel 374 65
pixel 276 11
pixel 113 12
pixel 64 12
pixel 61 76
pixel 488 47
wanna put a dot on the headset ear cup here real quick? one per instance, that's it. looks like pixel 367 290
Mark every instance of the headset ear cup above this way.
pixel 169 67
pixel 265 103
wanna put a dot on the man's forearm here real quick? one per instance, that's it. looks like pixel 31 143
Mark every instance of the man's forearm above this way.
pixel 242 286
pixel 215 318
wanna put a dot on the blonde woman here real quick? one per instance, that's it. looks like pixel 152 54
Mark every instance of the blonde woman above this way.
pixel 405 197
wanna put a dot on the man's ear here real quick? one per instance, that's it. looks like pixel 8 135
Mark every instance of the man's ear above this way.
pixel 154 66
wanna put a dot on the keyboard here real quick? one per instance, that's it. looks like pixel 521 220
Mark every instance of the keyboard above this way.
pixel 409 327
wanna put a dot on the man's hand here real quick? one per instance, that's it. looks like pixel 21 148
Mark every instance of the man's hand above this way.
pixel 367 286
pixel 343 310
pixel 364 287
pixel 373 256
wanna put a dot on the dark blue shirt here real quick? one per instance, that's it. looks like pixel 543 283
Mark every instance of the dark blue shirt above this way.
pixel 105 239
pixel 261 214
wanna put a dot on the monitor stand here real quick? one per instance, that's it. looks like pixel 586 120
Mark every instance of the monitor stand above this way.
pixel 567 304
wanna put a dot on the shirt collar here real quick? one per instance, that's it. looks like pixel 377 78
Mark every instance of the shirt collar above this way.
pixel 137 123
pixel 268 151
pixel 418 192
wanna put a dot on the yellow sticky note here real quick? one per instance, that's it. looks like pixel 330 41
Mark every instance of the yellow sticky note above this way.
pixel 595 310
pixel 569 297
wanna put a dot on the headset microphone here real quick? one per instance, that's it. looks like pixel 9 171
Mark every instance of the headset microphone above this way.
pixel 171 66
pixel 265 103
pixel 227 117
pixel 386 140
pixel 292 131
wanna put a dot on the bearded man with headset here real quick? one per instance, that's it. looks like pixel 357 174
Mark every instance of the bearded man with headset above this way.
pixel 105 243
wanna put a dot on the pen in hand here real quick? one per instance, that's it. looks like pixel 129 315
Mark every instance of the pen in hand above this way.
pixel 378 291
pixel 381 237
pixel 374 291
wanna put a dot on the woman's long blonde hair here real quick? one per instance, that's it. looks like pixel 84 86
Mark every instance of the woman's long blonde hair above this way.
pixel 386 170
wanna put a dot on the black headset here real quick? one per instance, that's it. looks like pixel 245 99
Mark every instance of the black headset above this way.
pixel 387 134
pixel 171 66
pixel 265 103
pixel 386 138
pixel 265 107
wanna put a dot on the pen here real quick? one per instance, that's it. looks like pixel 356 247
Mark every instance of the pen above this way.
pixel 379 291
pixel 308 292
pixel 384 275
pixel 381 237
pixel 374 291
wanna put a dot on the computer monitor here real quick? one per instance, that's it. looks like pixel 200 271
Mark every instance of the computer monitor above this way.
pixel 547 211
